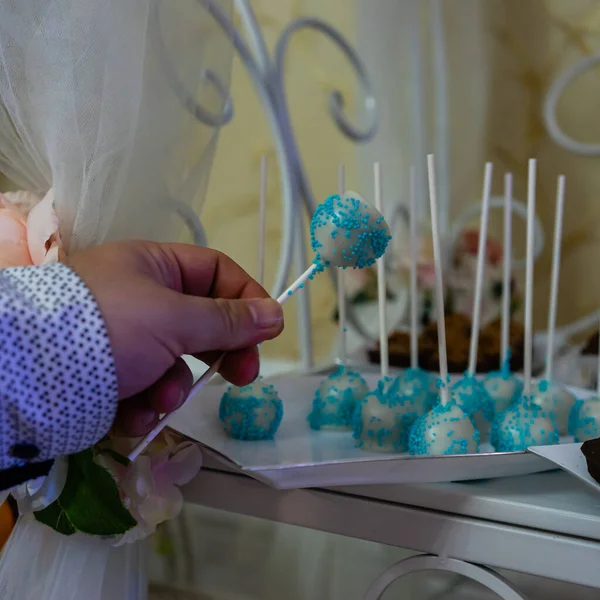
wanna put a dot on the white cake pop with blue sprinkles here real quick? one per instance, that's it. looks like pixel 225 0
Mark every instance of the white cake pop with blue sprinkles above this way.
pixel 335 400
pixel 503 388
pixel 382 421
pixel 521 425
pixel 584 420
pixel 470 394
pixel 419 387
pixel 252 412
pixel 548 395
pixel 445 429
pixel 348 232
pixel 554 398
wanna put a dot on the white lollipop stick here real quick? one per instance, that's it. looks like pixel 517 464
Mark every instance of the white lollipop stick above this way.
pixel 341 283
pixel 262 221
pixel 381 287
pixel 558 221
pixel 529 277
pixel 414 340
pixel 439 284
pixel 483 226
pixel 506 275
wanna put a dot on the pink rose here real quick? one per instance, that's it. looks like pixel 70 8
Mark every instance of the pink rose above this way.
pixel 28 229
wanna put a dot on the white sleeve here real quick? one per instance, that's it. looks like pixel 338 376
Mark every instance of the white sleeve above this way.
pixel 58 384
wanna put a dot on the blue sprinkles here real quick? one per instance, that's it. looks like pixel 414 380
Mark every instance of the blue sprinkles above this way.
pixel 349 230
pixel 253 412
pixel 335 400
pixel 521 425
pixel 382 421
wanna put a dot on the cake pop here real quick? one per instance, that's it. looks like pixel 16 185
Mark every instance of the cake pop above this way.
pixel 468 392
pixel 346 233
pixel 548 394
pixel 446 429
pixel 415 383
pixel 383 419
pixel 335 400
pixel 502 387
pixel 252 412
pixel 584 419
pixel 524 424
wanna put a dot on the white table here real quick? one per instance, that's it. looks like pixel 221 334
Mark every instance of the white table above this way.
pixel 546 525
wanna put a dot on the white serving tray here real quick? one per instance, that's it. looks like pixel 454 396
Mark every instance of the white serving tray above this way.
pixel 300 457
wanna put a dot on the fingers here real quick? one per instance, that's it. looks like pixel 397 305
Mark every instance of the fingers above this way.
pixel 206 324
pixel 206 272
pixel 139 415
pixel 239 367
pixel 172 389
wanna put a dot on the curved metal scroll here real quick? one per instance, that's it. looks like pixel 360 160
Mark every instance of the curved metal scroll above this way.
pixel 556 90
pixel 268 78
pixel 426 562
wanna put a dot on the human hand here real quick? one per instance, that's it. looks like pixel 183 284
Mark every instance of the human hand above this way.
pixel 160 301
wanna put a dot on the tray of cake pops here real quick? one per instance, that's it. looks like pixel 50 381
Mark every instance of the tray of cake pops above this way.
pixel 344 428
pixel 420 424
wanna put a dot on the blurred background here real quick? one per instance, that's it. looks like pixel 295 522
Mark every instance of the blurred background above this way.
pixel 502 56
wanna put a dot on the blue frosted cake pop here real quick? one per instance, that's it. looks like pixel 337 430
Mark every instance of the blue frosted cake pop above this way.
pixel 420 387
pixel 470 395
pixel 252 412
pixel 382 421
pixel 503 388
pixel 348 232
pixel 444 430
pixel 551 397
pixel 335 400
pixel 521 425
pixel 584 419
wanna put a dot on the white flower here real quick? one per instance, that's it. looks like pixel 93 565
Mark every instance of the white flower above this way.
pixel 149 486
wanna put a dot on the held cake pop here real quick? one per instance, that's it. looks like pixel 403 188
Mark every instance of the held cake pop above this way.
pixel 502 387
pixel 345 233
pixel 446 429
pixel 383 419
pixel 584 419
pixel 335 400
pixel 469 393
pixel 254 412
pixel 548 394
pixel 524 424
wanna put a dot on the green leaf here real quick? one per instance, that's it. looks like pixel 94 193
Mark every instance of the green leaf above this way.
pixel 54 516
pixel 91 498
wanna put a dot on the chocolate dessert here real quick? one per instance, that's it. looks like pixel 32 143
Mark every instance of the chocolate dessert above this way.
pixel 591 451
pixel 458 339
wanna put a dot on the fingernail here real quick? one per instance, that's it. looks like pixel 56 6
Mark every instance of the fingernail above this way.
pixel 266 312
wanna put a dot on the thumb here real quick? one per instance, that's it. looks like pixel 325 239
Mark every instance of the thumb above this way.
pixel 208 324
